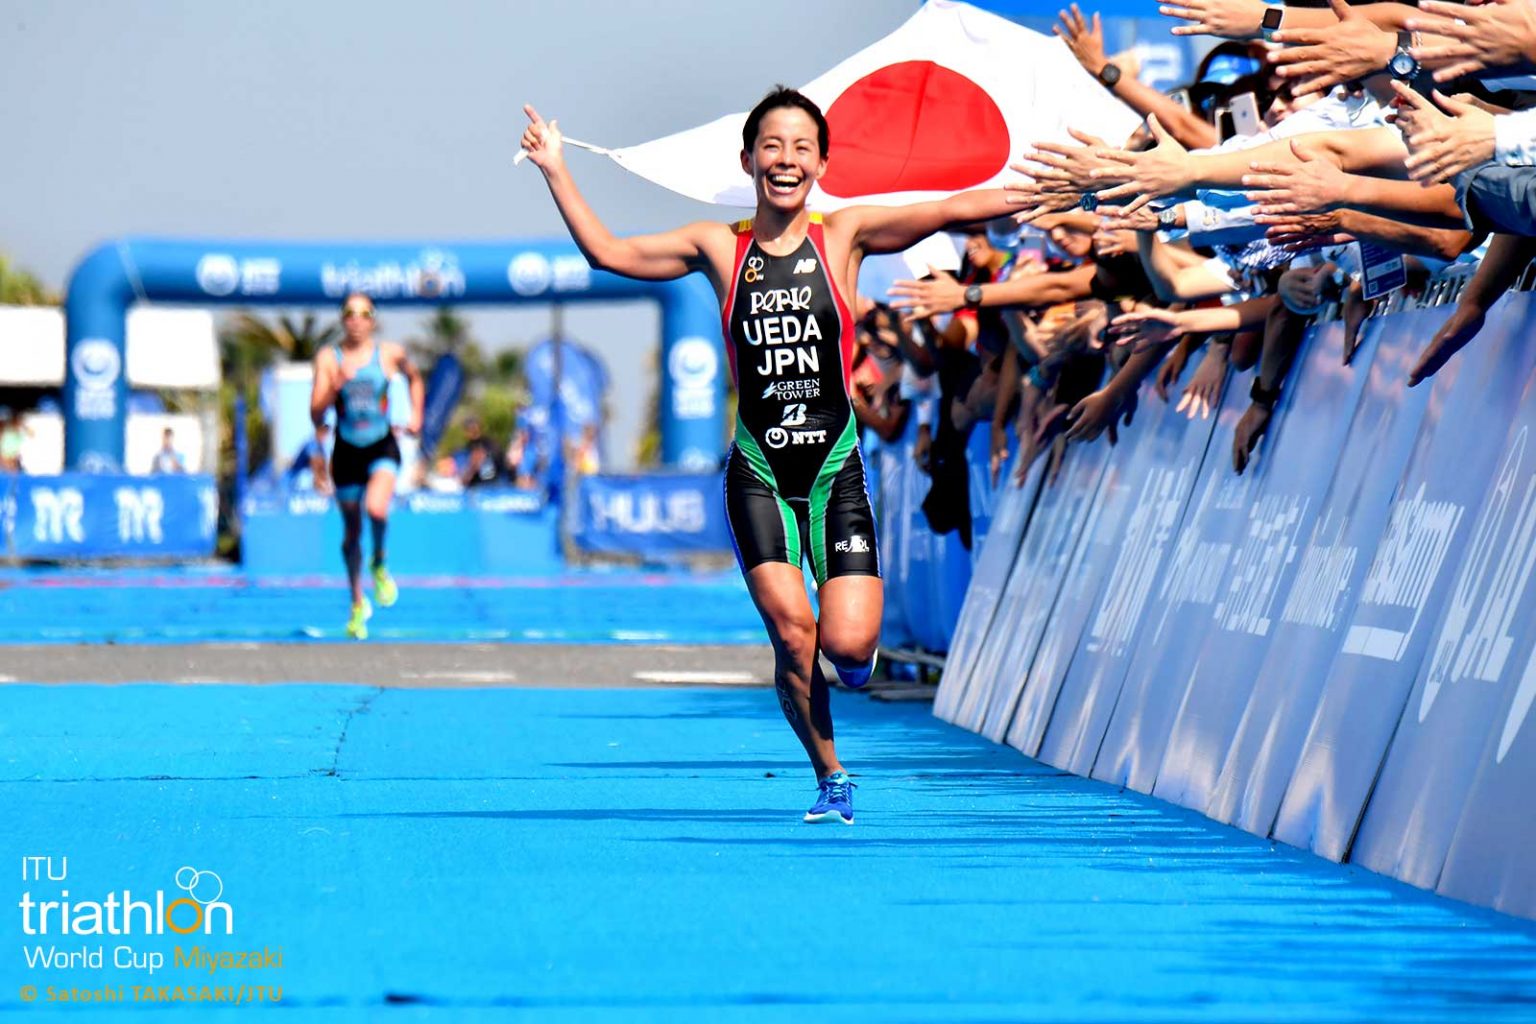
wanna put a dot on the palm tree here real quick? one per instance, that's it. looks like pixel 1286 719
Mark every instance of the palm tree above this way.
pixel 297 339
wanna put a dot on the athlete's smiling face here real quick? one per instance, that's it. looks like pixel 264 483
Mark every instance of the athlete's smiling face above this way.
pixel 787 160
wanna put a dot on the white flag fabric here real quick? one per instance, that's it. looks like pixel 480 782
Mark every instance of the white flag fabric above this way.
pixel 941 105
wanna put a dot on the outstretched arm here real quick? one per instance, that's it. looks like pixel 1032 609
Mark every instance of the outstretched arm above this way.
pixel 941 293
pixel 881 229
pixel 659 257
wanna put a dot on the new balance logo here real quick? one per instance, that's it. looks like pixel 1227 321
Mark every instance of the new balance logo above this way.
pixel 852 546
pixel 805 266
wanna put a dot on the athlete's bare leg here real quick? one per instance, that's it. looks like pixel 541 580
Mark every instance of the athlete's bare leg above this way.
pixel 851 607
pixel 377 499
pixel 778 590
pixel 352 546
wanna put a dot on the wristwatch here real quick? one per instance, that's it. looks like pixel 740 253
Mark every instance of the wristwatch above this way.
pixel 973 296
pixel 1089 202
pixel 1403 66
pixel 1168 218
pixel 1262 396
pixel 1109 74
pixel 1271 23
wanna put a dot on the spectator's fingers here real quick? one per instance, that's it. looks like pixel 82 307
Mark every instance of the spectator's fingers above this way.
pixel 1078 22
pixel 1454 21
pixel 1088 141
pixel 1461 70
pixel 1320 82
pixel 1113 156
pixel 1173 11
pixel 1277 203
pixel 1451 104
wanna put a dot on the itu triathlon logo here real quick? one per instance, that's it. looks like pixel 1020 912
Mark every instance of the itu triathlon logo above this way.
pixel 96 364
pixel 754 271
pixel 218 274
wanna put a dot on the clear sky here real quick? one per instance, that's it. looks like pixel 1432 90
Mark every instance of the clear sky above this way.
pixel 374 120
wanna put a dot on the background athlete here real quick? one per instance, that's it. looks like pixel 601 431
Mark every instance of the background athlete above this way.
pixel 354 376
pixel 795 480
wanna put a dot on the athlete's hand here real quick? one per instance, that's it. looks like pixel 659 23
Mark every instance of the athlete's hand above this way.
pixel 542 141
pixel 413 425
pixel 940 293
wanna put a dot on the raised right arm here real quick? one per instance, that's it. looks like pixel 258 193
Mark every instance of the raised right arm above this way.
pixel 659 257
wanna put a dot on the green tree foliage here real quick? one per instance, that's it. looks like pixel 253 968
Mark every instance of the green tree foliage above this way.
pixel 20 287
pixel 494 388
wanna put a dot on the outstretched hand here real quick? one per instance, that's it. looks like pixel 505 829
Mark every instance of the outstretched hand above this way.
pixel 1495 34
pixel 1453 335
pixel 1146 328
pixel 1311 185
pixel 1150 174
pixel 1442 145
pixel 940 293
pixel 1318 59
pixel 542 140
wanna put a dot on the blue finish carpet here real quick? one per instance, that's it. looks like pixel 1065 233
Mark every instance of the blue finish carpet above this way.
pixel 585 855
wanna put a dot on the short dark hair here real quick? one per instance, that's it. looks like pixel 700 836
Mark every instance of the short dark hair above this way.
pixel 779 97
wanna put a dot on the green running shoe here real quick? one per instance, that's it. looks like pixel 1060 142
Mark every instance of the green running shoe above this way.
pixel 357 625
pixel 384 589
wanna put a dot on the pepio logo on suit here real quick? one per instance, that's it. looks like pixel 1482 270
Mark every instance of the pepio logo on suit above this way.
pixel 58 515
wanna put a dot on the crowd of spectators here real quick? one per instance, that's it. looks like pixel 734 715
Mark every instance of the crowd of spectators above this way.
pixel 1322 155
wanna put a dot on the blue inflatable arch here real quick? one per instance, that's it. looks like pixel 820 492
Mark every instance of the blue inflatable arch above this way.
pixel 117 274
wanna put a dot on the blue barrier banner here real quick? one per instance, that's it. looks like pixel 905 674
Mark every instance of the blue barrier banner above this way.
pixel 984 493
pixel 1291 472
pixel 1383 640
pixel 1304 636
pixel 951 575
pixel 651 515
pixel 486 531
pixel 1103 526
pixel 1055 530
pixel 1437 745
pixel 915 562
pixel 893 463
pixel 995 558
pixel 1465 731
pixel 83 516
pixel 1161 478
pixel 1179 615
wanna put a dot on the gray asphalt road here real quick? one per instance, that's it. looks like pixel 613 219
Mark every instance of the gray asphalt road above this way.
pixel 376 664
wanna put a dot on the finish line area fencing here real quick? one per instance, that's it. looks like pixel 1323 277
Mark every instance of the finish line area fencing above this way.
pixel 1332 650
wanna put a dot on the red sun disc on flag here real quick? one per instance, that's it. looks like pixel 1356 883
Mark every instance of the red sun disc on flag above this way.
pixel 913 127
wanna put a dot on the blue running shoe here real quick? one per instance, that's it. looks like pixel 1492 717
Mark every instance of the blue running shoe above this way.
pixel 853 678
pixel 835 802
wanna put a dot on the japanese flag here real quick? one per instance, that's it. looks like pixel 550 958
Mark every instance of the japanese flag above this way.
pixel 939 106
